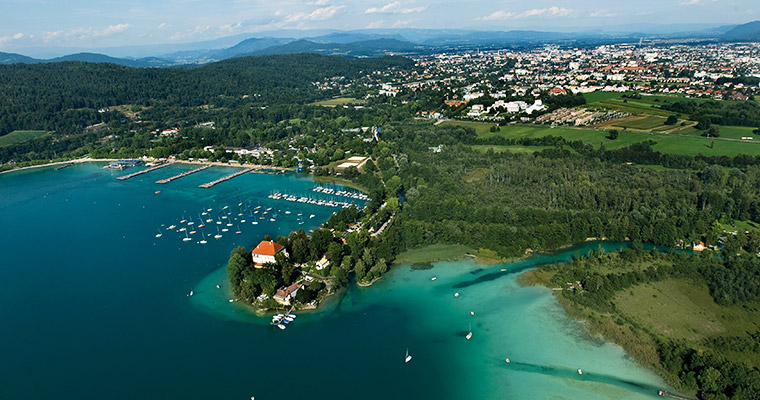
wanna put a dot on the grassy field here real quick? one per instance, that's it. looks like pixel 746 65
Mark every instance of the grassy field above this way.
pixel 687 145
pixel 682 309
pixel 19 136
pixel 337 102
pixel 646 123
pixel 481 128
pixel 595 97
pixel 445 252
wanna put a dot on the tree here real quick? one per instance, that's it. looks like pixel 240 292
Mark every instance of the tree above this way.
pixel 613 134
pixel 672 120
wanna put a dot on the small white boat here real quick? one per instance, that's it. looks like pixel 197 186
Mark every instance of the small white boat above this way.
pixel 312 216
pixel 456 294
pixel 580 372
pixel 225 230
pixel 408 357
pixel 190 294
pixel 208 209
pixel 272 219
pixel 203 241
pixel 158 235
pixel 171 226
pixel 231 300
pixel 192 232
pixel 186 238
pixel 281 326
pixel 242 221
pixel 288 319
pixel 287 212
pixel 469 335
pixel 182 229
pixel 433 278
pixel 507 360
pixel 292 316
pixel 229 224
pixel 472 312
pixel 254 223
pixel 191 223
pixel 217 286
pixel 209 220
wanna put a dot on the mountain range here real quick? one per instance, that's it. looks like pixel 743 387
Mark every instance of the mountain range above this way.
pixel 378 42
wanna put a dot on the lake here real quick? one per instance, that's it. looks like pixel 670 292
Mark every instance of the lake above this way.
pixel 94 305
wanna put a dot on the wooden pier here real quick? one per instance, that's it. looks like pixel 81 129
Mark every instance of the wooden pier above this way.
pixel 226 178
pixel 145 171
pixel 186 173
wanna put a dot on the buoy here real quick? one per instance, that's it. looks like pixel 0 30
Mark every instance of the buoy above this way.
pixel 507 361
pixel 472 312
pixel 456 294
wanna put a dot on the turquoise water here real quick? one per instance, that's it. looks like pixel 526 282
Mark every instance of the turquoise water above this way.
pixel 95 306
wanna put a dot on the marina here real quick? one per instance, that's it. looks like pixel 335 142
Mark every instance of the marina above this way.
pixel 342 193
pixel 309 200
pixel 145 171
pixel 175 177
pixel 226 178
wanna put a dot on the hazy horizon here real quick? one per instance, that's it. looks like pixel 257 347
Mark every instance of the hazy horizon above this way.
pixel 77 25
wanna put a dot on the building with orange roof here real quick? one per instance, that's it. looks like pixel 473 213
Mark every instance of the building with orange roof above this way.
pixel 264 253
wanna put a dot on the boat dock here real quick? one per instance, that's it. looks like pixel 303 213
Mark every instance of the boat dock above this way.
pixel 226 178
pixel 673 395
pixel 145 171
pixel 308 200
pixel 186 173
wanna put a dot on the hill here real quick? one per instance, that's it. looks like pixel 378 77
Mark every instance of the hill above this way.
pixel 746 32
pixel 10 58
pixel 367 48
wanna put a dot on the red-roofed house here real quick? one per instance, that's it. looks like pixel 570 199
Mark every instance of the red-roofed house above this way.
pixel 265 251
pixel 284 294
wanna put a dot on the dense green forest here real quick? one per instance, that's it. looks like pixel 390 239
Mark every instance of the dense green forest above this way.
pixel 65 97
pixel 745 113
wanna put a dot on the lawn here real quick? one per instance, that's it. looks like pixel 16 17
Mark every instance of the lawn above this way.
pixel 337 102
pixel 19 136
pixel 640 107
pixel 687 145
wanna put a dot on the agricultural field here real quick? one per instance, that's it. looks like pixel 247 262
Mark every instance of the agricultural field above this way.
pixel 687 145
pixel 509 149
pixel 645 124
pixel 337 102
pixel 19 136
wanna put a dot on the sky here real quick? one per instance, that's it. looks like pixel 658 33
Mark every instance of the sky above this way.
pixel 103 23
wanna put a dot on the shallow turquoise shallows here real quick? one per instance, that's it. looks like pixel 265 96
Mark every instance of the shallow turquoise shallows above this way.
pixel 94 305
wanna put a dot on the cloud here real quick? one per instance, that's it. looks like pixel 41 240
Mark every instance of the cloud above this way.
pixel 602 13
pixel 690 2
pixel 9 38
pixel 320 14
pixel 318 3
pixel 497 15
pixel 162 25
pixel 376 24
pixel 112 29
pixel 553 11
pixel 394 8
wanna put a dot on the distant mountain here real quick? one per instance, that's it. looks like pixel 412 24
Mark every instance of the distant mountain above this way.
pixel 367 48
pixel 248 46
pixel 13 58
pixel 9 58
pixel 746 32
pixel 354 36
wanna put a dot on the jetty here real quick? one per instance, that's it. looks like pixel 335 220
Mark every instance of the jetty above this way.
pixel 226 178
pixel 186 173
pixel 673 395
pixel 145 171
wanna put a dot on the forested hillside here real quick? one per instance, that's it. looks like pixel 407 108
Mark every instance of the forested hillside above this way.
pixel 65 97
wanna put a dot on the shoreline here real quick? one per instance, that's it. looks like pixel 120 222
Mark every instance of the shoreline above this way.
pixel 90 159
pixel 608 331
